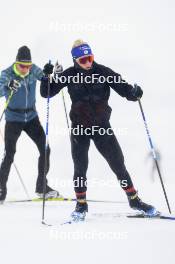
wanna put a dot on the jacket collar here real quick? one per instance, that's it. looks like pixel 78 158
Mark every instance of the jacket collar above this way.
pixel 15 70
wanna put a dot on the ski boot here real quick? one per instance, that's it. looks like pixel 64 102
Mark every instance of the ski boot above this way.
pixel 80 212
pixel 50 193
pixel 136 203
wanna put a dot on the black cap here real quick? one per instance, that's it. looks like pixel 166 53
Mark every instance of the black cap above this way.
pixel 24 55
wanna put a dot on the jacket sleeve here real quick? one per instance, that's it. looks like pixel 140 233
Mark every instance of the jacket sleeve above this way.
pixel 4 79
pixel 56 84
pixel 119 85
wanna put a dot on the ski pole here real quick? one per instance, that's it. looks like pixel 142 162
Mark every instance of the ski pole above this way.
pixel 154 154
pixel 21 180
pixel 46 148
pixel 18 173
pixel 6 104
pixel 65 110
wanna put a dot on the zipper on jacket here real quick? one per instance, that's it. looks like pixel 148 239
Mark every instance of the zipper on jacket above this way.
pixel 91 103
pixel 25 84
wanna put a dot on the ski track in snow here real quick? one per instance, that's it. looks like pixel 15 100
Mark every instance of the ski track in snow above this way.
pixel 103 237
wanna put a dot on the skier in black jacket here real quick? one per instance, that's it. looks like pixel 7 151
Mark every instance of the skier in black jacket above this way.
pixel 90 113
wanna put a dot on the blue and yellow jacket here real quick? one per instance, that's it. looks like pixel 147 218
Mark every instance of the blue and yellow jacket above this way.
pixel 21 107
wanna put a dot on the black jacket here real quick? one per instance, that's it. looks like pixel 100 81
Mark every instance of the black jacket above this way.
pixel 89 100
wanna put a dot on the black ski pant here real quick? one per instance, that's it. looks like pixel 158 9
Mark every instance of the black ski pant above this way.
pixel 35 131
pixel 109 148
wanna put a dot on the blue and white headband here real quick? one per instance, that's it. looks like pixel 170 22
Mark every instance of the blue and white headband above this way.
pixel 80 51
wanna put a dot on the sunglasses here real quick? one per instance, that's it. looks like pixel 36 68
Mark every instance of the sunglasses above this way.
pixel 22 66
pixel 84 60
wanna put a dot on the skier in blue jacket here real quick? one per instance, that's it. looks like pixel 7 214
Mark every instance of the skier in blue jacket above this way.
pixel 21 115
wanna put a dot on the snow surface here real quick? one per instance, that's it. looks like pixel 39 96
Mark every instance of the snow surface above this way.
pixel 142 50
pixel 103 238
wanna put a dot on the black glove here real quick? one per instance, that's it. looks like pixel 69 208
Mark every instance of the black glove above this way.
pixel 13 85
pixel 48 69
pixel 137 91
